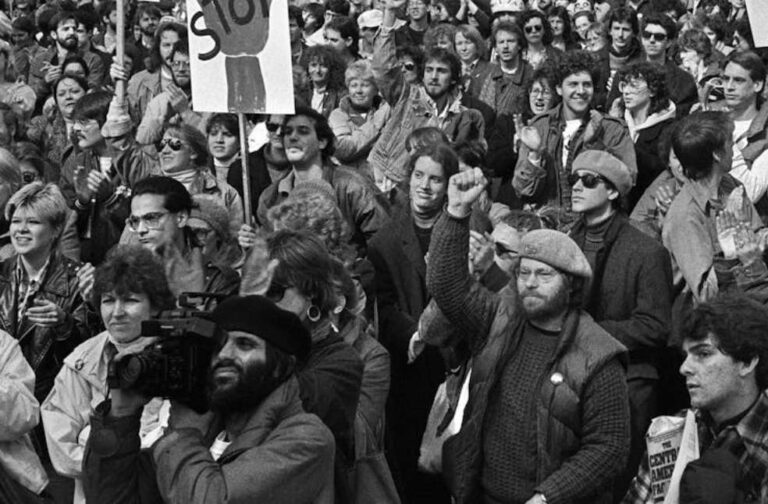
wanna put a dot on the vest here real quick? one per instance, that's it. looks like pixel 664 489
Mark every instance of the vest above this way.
pixel 584 347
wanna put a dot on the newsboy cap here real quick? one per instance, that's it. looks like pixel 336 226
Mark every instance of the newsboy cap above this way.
pixel 261 317
pixel 557 250
pixel 607 165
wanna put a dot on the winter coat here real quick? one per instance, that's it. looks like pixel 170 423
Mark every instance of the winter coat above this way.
pixel 45 348
pixel 412 108
pixel 547 183
pixel 282 456
pixel 505 96
pixel 50 135
pixel 20 415
pixel 630 295
pixel 356 133
pixel 80 387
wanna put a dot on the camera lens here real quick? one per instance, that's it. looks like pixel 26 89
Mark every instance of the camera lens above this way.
pixel 130 374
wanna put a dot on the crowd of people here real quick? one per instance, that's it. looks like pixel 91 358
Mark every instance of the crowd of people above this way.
pixel 494 242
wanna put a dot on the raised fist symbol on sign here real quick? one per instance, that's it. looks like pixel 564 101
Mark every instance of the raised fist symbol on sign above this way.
pixel 239 29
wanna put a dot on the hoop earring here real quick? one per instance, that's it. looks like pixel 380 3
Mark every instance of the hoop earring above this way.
pixel 313 313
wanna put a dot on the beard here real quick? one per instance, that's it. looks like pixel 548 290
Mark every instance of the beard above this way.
pixel 69 43
pixel 252 386
pixel 538 306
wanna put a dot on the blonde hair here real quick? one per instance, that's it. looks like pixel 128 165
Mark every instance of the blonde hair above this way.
pixel 45 199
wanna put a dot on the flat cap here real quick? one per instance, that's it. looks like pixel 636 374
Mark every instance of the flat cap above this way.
pixel 609 166
pixel 261 317
pixel 557 250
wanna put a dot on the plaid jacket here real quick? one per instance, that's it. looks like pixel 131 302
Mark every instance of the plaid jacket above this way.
pixel 750 444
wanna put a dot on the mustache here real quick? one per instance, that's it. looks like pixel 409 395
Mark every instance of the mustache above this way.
pixel 223 363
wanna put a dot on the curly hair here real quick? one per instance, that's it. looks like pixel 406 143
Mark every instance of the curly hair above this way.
pixel 655 77
pixel 545 74
pixel 534 14
pixel 308 209
pixel 437 32
pixel 576 62
pixel 738 325
pixel 327 57
pixel 133 269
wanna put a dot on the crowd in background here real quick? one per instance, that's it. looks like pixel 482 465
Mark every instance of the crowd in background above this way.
pixel 498 223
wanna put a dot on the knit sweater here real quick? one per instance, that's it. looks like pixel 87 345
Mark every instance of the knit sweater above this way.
pixel 510 426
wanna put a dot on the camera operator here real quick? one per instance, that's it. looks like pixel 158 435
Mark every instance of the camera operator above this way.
pixel 129 288
pixel 256 445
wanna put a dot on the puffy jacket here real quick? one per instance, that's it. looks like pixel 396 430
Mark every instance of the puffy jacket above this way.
pixel 46 347
pixel 548 182
pixel 20 415
pixel 412 108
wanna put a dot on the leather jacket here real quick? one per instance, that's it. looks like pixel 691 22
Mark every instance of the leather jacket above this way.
pixel 46 347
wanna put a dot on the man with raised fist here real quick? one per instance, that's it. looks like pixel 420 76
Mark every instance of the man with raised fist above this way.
pixel 549 419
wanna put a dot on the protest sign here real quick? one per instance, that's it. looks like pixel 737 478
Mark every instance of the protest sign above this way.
pixel 757 10
pixel 240 56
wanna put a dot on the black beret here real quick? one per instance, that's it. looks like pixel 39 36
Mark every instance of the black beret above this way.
pixel 259 316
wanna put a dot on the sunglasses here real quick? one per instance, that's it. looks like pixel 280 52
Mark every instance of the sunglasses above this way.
pixel 658 37
pixel 587 180
pixel 174 143
pixel 272 127
pixel 533 28
pixel 409 67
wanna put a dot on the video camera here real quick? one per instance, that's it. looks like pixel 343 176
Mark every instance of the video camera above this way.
pixel 176 365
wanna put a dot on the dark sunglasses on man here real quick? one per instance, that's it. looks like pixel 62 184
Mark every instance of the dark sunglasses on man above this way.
pixel 588 180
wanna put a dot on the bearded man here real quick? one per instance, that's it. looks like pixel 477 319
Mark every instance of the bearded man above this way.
pixel 254 445
pixel 549 419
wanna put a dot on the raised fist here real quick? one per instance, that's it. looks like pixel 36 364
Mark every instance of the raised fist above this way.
pixel 465 188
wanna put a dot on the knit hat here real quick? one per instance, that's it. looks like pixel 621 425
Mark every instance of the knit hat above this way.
pixel 370 19
pixel 209 210
pixel 606 165
pixel 557 250
pixel 259 316
pixel 498 6
pixel 452 6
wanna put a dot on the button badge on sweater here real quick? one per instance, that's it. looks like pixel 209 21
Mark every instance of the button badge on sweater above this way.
pixel 556 379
